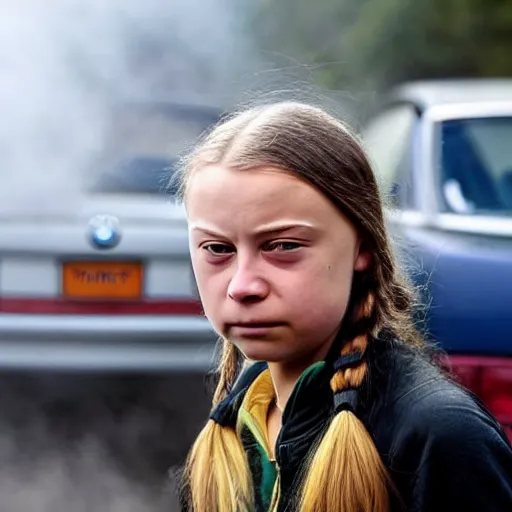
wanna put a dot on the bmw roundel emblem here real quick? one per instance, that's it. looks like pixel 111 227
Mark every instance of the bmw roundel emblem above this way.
pixel 104 231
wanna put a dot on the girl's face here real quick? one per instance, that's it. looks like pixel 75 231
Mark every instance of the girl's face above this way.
pixel 273 260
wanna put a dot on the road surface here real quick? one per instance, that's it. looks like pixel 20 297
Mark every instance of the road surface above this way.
pixel 95 443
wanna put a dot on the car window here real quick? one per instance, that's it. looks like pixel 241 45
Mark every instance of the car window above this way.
pixel 142 147
pixel 476 165
pixel 388 139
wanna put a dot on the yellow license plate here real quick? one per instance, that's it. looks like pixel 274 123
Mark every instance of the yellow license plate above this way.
pixel 102 280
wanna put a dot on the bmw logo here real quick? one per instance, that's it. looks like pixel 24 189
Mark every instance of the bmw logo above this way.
pixel 104 231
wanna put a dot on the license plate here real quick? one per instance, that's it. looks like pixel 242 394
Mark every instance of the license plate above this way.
pixel 102 280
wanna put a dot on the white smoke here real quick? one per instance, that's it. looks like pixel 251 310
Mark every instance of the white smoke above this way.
pixel 66 64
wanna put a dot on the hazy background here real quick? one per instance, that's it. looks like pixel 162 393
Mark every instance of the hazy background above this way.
pixel 66 68
pixel 65 65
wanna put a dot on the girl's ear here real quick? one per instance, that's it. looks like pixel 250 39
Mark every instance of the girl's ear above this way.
pixel 363 259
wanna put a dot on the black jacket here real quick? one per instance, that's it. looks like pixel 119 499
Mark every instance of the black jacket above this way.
pixel 444 451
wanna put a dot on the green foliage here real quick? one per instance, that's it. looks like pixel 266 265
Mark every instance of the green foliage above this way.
pixel 372 44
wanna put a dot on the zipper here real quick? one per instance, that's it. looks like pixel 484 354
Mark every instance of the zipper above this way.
pixel 276 493
pixel 276 497
pixel 261 438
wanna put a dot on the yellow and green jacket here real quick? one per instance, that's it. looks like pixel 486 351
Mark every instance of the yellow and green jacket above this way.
pixel 252 428
pixel 304 418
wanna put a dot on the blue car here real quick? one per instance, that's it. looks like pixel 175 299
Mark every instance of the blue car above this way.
pixel 442 151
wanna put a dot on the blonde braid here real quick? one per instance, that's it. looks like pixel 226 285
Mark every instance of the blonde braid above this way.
pixel 352 377
pixel 227 370
pixel 217 476
pixel 346 472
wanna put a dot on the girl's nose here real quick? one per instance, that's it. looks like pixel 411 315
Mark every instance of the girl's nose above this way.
pixel 246 286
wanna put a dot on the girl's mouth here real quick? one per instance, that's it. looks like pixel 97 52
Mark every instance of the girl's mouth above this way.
pixel 253 329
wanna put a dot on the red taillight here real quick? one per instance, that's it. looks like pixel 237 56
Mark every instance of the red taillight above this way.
pixel 490 378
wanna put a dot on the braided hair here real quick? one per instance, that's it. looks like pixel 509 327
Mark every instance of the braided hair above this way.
pixel 346 463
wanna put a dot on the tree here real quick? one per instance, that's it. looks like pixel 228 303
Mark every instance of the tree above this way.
pixel 372 44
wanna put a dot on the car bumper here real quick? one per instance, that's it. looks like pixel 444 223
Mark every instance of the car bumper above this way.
pixel 106 343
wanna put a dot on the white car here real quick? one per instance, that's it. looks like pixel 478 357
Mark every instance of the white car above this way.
pixel 107 284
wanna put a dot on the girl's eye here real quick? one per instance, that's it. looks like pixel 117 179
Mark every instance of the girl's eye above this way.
pixel 219 249
pixel 283 246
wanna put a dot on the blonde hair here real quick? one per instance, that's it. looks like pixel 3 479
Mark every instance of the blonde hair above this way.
pixel 357 478
pixel 345 471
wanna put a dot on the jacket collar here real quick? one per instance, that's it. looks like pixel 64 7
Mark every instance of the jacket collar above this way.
pixel 226 411
pixel 311 394
pixel 305 396
pixel 312 403
pixel 311 399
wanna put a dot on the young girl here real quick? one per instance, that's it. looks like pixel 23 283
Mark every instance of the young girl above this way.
pixel 326 400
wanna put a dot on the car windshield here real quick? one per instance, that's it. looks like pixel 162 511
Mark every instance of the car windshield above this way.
pixel 476 166
pixel 143 145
